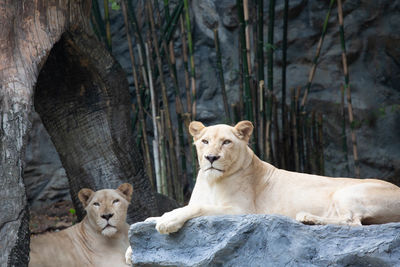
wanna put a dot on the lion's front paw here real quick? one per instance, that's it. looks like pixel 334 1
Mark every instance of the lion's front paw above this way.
pixel 168 224
pixel 128 256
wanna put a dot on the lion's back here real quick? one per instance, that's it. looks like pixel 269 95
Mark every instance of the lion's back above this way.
pixel 59 249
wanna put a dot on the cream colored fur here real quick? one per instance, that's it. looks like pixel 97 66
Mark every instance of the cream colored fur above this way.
pixel 98 240
pixel 238 182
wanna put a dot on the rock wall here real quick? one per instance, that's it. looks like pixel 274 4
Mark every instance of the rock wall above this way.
pixel 372 42
pixel 45 179
pixel 265 240
pixel 373 51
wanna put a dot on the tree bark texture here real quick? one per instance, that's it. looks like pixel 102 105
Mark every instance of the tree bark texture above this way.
pixel 82 97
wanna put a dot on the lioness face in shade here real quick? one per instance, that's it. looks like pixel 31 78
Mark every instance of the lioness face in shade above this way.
pixel 106 209
pixel 100 239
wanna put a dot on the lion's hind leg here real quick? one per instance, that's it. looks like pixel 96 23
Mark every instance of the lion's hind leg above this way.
pixel 362 203
pixel 340 211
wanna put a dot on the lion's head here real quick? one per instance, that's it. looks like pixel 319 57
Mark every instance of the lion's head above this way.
pixel 221 149
pixel 106 209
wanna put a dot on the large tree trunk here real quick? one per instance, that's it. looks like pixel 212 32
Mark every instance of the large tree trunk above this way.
pixel 84 105
pixel 83 99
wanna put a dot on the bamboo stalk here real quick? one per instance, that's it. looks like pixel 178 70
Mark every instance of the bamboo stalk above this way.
pixel 170 56
pixel 293 118
pixel 268 108
pixel 163 164
pixel 171 24
pixel 247 33
pixel 135 112
pixel 316 57
pixel 300 122
pixel 181 172
pixel 187 116
pixel 191 55
pixel 344 135
pixel 268 146
pixel 139 40
pixel 247 93
pixel 171 145
pixel 285 150
pixel 342 42
pixel 260 41
pixel 166 10
pixel 314 154
pixel 277 150
pixel 138 98
pixel 185 66
pixel 95 26
pixel 254 105
pixel 156 144
pixel 108 26
pixel 169 183
pixel 307 137
pixel 241 79
pixel 270 46
pixel 221 77
pixel 286 128
pixel 99 21
pixel 169 27
pixel 347 87
pixel 261 112
pixel 320 145
pixel 353 133
pixel 179 112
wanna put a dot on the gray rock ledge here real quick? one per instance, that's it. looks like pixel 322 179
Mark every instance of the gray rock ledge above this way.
pixel 265 240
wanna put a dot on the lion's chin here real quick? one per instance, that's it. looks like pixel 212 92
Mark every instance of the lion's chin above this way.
pixel 214 174
pixel 109 231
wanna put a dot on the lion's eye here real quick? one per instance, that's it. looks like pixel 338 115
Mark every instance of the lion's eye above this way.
pixel 96 204
pixel 115 201
pixel 226 142
pixel 204 141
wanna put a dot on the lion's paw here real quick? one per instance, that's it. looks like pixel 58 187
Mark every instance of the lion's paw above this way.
pixel 128 256
pixel 168 225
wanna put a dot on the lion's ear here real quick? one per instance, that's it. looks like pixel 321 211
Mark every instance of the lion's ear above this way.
pixel 195 128
pixel 245 129
pixel 84 195
pixel 127 190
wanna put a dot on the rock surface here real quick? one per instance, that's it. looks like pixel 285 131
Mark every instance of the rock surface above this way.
pixel 44 176
pixel 265 240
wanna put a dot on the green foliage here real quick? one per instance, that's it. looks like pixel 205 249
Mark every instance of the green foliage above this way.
pixel 72 211
pixel 268 46
pixel 115 5
pixel 382 111
pixel 356 124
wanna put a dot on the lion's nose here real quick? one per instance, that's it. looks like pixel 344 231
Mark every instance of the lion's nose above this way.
pixel 107 216
pixel 212 158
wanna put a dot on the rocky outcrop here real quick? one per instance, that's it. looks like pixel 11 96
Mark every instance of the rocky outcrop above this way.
pixel 265 240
